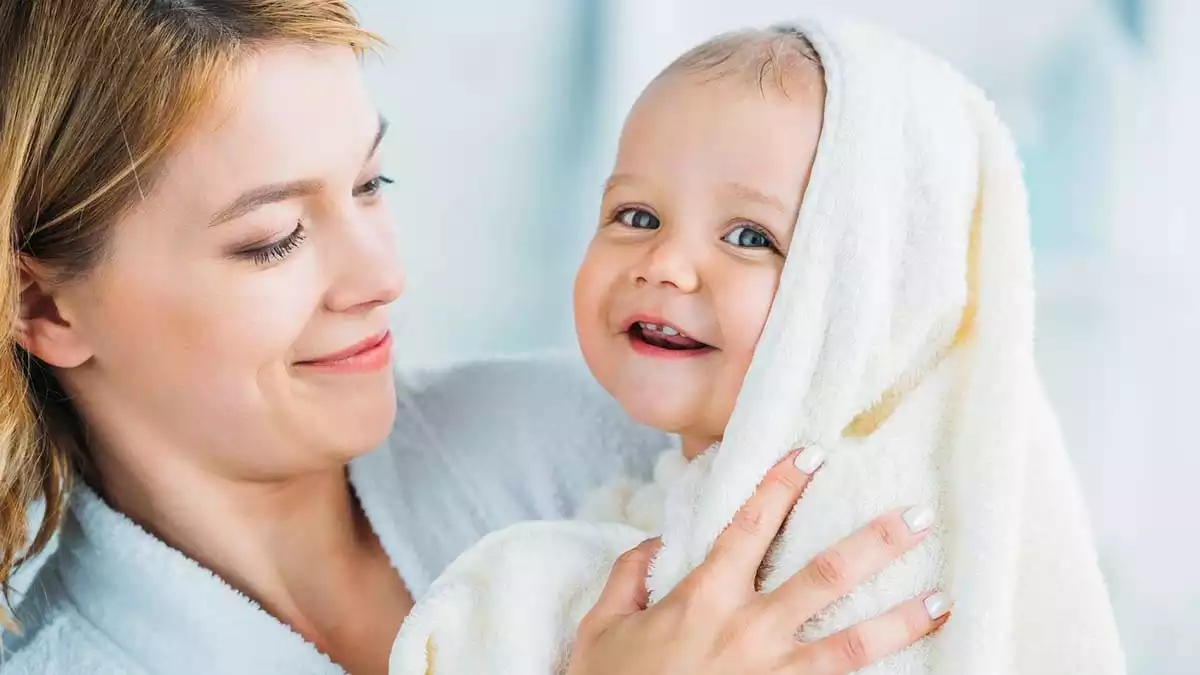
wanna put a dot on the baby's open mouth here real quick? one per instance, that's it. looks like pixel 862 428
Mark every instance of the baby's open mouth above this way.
pixel 664 337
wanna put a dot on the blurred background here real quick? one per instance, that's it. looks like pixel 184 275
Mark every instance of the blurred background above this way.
pixel 505 118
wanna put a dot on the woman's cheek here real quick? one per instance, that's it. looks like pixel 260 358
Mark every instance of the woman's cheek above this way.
pixel 251 315
pixel 281 314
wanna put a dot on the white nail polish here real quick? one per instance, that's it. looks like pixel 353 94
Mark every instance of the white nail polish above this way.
pixel 810 459
pixel 937 605
pixel 918 518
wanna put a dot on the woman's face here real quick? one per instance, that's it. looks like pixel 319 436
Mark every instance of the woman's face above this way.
pixel 212 334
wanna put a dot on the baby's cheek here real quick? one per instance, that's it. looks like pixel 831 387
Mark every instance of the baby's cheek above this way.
pixel 744 315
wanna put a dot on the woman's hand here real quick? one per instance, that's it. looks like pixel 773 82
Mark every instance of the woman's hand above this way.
pixel 715 621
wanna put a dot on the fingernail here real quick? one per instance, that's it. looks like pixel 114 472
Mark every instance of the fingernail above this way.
pixel 918 519
pixel 937 605
pixel 810 459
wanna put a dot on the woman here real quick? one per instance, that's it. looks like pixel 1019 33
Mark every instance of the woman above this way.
pixel 194 308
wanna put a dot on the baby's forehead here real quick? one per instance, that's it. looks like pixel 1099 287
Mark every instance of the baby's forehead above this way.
pixel 695 139
pixel 732 124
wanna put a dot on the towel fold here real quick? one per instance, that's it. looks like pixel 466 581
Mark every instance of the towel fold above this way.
pixel 901 341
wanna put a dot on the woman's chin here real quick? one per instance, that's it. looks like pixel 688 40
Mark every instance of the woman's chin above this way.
pixel 356 427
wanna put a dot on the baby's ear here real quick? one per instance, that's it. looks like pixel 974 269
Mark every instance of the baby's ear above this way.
pixel 42 327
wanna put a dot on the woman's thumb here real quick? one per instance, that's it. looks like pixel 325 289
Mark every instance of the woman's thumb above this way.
pixel 625 592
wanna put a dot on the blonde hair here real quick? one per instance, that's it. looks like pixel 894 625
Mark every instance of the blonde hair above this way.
pixel 756 56
pixel 92 95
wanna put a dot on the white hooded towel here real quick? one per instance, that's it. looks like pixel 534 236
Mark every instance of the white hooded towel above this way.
pixel 901 341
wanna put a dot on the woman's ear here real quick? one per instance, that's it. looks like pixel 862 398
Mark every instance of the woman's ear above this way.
pixel 43 327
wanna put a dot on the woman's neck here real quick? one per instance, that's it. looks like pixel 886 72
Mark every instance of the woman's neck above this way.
pixel 301 547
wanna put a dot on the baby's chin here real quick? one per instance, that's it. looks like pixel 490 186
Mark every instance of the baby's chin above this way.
pixel 686 413
pixel 688 397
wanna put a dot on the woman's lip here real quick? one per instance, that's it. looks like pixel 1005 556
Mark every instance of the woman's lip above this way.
pixel 356 349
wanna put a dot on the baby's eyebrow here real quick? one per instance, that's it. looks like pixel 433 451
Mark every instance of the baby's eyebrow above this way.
pixel 618 179
pixel 747 193
pixel 737 190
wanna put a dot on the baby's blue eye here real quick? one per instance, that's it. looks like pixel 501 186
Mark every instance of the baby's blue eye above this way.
pixel 639 218
pixel 747 237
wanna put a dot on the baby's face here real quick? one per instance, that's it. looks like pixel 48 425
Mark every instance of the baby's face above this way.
pixel 695 224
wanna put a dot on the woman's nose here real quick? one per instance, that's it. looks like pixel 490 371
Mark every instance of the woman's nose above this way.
pixel 367 270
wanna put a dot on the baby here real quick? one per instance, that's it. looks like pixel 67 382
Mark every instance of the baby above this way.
pixel 696 223
pixel 813 237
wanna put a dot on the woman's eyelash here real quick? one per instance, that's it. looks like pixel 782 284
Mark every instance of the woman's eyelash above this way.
pixel 373 186
pixel 275 251
pixel 278 250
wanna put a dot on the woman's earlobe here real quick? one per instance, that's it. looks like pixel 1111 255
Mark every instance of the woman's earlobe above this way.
pixel 42 328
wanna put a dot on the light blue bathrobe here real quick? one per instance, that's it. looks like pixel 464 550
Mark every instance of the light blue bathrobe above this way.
pixel 474 448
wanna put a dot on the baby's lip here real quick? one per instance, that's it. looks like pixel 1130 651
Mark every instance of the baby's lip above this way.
pixel 658 323
pixel 651 320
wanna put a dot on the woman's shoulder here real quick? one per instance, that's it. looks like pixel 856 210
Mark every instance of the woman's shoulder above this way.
pixel 57 648
pixel 556 379
pixel 478 446
pixel 56 640
pixel 539 409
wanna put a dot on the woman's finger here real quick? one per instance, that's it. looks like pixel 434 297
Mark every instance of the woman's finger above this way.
pixel 843 566
pixel 625 591
pixel 741 547
pixel 865 643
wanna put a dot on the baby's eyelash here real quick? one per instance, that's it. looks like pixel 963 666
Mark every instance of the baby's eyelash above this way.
pixel 772 242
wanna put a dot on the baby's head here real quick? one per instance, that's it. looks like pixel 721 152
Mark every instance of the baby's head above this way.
pixel 695 225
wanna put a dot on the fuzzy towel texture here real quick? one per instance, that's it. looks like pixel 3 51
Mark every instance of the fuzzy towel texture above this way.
pixel 901 341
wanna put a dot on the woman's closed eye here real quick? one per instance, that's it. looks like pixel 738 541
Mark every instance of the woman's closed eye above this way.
pixel 748 236
pixel 273 251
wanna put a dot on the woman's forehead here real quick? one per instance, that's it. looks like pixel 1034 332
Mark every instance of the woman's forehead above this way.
pixel 287 113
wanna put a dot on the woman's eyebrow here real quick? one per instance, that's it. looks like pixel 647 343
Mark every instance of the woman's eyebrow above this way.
pixel 379 134
pixel 263 195
pixel 278 192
